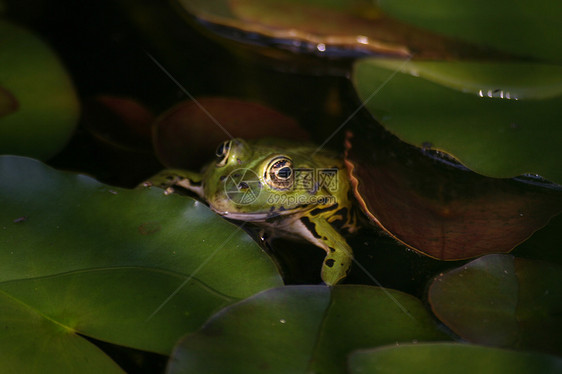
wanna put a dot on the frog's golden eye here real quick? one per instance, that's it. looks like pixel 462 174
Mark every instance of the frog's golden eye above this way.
pixel 279 173
pixel 222 152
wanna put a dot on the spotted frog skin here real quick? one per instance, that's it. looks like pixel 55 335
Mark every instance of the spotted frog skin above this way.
pixel 287 189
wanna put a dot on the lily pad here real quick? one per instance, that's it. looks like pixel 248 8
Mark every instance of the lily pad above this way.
pixel 302 329
pixel 47 345
pixel 46 107
pixel 438 358
pixel 337 28
pixel 498 119
pixel 131 267
pixel 438 208
pixel 187 135
pixel 520 27
pixel 502 301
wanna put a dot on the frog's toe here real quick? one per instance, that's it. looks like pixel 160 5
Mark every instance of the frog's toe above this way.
pixel 334 270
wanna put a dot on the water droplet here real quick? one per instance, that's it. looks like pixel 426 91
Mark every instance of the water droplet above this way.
pixel 361 39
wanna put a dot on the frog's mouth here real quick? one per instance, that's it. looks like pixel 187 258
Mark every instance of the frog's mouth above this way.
pixel 256 217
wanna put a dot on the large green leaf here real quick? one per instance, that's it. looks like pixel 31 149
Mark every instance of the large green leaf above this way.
pixel 47 107
pixel 302 329
pixel 132 267
pixel 519 26
pixel 31 343
pixel 437 358
pixel 498 119
pixel 503 301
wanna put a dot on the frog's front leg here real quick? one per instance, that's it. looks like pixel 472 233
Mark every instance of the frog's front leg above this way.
pixel 170 178
pixel 339 254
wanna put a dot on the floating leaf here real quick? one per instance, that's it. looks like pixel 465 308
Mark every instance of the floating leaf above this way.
pixel 441 210
pixel 503 301
pixel 187 135
pixel 436 358
pixel 499 80
pixel 31 343
pixel 336 28
pixel 500 120
pixel 302 329
pixel 131 267
pixel 47 106
pixel 521 27
pixel 120 305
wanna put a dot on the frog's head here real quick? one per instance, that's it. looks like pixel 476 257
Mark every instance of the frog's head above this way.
pixel 255 180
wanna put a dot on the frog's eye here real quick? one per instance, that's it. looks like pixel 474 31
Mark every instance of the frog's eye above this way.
pixel 279 173
pixel 222 153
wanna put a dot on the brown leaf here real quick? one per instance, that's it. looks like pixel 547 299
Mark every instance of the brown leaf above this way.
pixel 187 135
pixel 354 26
pixel 442 210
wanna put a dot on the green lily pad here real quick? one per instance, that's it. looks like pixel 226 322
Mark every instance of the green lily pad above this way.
pixel 302 329
pixel 521 27
pixel 131 267
pixel 502 301
pixel 435 358
pixel 48 347
pixel 498 119
pixel 47 107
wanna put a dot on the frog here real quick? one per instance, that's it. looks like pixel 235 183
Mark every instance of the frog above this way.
pixel 289 190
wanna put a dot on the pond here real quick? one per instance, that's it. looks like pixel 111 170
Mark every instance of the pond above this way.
pixel 411 155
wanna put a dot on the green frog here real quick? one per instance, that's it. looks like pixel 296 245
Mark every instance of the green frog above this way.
pixel 289 190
